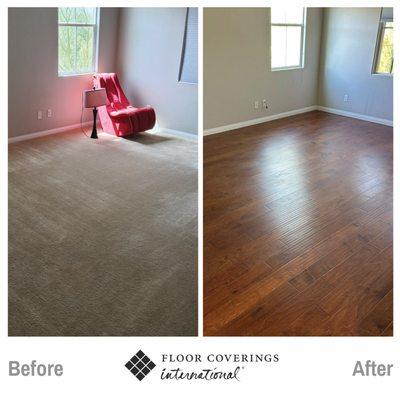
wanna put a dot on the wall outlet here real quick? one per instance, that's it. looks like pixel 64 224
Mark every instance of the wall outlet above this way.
pixel 265 105
pixel 49 113
pixel 39 114
pixel 256 104
pixel 346 98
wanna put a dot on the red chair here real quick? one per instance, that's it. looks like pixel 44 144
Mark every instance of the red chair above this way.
pixel 119 117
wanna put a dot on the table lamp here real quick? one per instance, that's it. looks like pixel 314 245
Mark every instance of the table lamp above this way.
pixel 92 99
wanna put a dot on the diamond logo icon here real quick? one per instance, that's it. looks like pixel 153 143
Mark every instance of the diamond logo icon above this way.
pixel 140 365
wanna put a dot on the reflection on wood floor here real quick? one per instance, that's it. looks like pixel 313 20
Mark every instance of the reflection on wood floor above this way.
pixel 298 228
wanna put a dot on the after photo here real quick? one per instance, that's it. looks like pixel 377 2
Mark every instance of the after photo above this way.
pixel 298 169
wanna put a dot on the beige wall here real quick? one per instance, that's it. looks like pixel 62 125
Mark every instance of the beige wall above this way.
pixel 149 54
pixel 237 67
pixel 33 69
pixel 347 56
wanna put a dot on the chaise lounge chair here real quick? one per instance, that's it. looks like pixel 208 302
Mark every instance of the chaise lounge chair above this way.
pixel 119 117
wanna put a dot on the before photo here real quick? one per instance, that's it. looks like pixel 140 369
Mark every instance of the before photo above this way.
pixel 103 171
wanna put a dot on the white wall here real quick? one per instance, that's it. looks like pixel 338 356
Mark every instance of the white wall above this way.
pixel 33 80
pixel 237 67
pixel 149 54
pixel 347 55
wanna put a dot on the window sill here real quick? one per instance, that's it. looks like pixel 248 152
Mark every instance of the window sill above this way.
pixel 287 68
pixel 381 74
pixel 77 74
pixel 188 83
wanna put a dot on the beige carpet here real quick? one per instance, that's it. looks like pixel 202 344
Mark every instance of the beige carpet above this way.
pixel 103 236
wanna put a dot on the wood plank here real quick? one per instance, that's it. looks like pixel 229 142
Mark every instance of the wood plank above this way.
pixel 379 318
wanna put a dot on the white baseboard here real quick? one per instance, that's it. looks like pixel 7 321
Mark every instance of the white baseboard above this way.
pixel 184 135
pixel 295 112
pixel 28 136
pixel 218 129
pixel 256 121
pixel 355 115
pixel 34 135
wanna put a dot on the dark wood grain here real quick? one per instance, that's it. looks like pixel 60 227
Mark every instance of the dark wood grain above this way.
pixel 298 228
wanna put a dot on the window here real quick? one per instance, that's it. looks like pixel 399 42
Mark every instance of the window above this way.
pixel 188 68
pixel 384 46
pixel 287 38
pixel 77 40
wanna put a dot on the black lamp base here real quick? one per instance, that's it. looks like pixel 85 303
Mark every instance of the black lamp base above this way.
pixel 94 130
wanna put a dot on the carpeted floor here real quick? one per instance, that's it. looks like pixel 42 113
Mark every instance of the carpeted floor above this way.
pixel 103 236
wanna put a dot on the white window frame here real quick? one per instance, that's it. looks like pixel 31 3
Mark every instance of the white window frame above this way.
pixel 95 60
pixel 378 49
pixel 302 44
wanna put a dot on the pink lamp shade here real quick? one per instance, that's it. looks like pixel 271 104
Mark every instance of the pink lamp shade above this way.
pixel 95 98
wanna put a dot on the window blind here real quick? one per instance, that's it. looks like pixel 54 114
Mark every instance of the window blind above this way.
pixel 188 70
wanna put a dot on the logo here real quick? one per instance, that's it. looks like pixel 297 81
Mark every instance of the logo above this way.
pixel 140 365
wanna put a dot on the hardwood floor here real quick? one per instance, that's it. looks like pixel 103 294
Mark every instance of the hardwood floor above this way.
pixel 298 228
